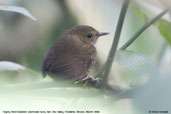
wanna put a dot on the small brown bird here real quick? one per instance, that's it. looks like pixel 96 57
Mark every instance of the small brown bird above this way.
pixel 73 54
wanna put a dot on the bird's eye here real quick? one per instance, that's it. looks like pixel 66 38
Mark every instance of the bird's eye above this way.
pixel 89 35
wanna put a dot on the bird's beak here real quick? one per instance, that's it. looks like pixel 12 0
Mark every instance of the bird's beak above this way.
pixel 103 33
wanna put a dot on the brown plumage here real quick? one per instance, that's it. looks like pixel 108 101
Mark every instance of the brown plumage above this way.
pixel 73 54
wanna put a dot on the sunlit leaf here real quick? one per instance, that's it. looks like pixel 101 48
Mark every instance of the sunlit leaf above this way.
pixel 54 94
pixel 17 9
pixel 165 29
pixel 7 65
pixel 143 15
pixel 138 12
pixel 136 62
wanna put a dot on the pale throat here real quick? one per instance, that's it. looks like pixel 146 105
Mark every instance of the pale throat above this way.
pixel 94 42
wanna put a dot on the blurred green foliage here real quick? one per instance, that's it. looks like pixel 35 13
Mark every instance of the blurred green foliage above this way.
pixel 165 29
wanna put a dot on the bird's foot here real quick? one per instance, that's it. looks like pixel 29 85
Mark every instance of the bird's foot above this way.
pixel 91 81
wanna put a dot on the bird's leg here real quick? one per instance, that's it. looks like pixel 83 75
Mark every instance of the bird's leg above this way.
pixel 88 78
pixel 91 81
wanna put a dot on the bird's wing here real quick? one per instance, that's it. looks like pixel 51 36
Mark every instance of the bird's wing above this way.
pixel 61 61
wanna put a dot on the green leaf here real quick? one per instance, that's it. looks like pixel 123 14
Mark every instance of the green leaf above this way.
pixel 7 65
pixel 165 29
pixel 136 62
pixel 138 12
pixel 17 9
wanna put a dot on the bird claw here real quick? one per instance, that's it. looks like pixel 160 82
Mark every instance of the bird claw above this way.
pixel 91 81
pixel 88 78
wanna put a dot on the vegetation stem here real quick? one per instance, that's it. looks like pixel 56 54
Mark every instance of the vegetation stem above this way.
pixel 115 43
pixel 144 27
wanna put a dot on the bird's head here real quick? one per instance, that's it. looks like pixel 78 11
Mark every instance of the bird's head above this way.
pixel 86 34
